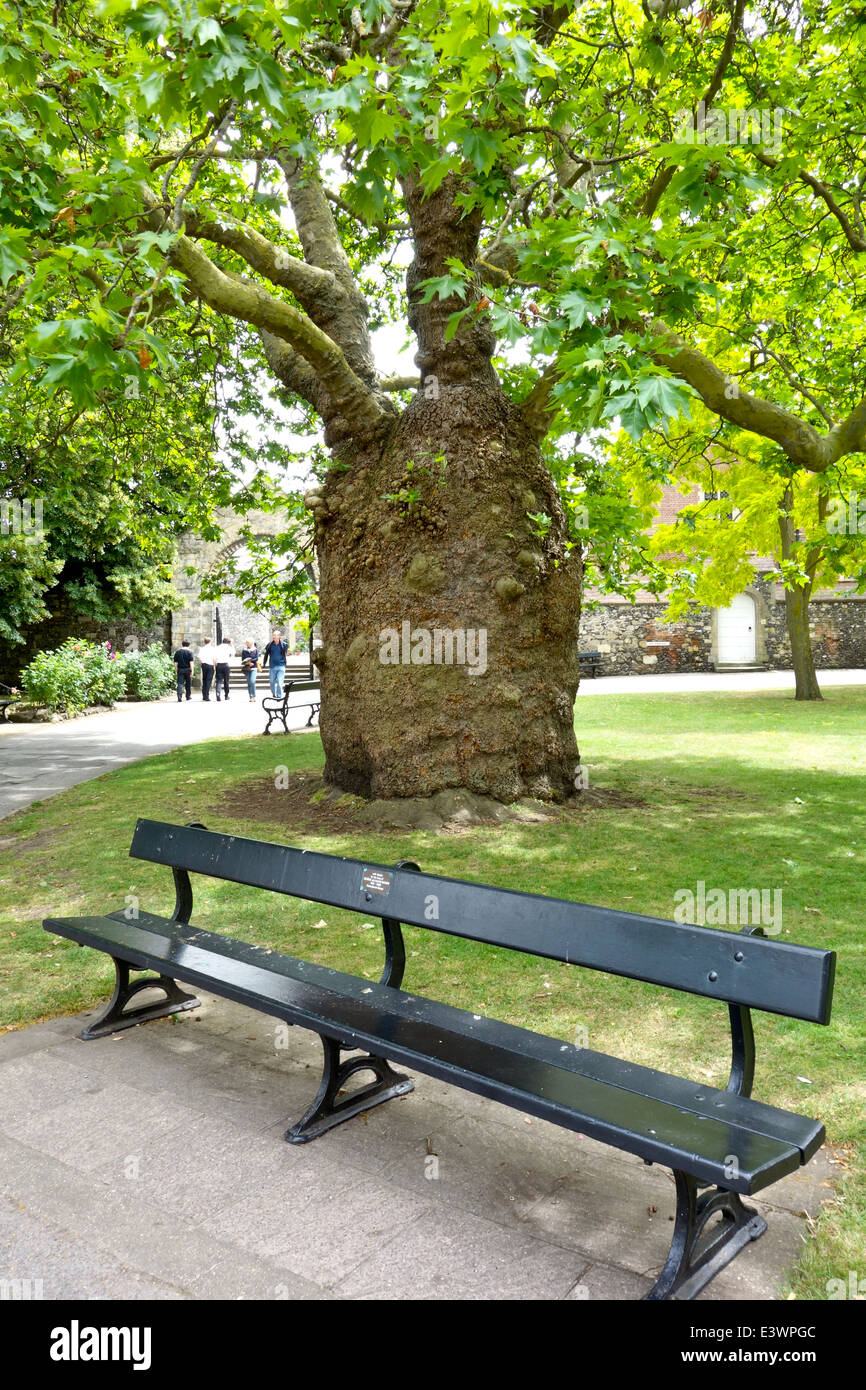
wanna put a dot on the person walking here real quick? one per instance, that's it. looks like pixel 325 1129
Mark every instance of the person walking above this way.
pixel 183 662
pixel 275 663
pixel 250 665
pixel 222 657
pixel 206 659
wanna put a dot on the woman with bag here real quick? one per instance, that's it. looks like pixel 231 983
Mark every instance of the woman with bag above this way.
pixel 250 664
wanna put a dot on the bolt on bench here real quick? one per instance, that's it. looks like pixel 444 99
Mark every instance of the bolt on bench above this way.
pixel 721 1145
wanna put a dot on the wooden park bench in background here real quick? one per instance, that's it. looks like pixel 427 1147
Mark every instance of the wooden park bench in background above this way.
pixel 277 710
pixel 590 661
pixel 720 1144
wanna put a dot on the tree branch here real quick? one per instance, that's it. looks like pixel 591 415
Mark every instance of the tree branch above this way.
pixel 346 318
pixel 292 370
pixel 348 395
pixel 855 238
pixel 654 193
pixel 538 407
pixel 801 442
pixel 307 283
pixel 400 383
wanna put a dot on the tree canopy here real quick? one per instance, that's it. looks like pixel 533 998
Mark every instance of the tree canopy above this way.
pixel 153 151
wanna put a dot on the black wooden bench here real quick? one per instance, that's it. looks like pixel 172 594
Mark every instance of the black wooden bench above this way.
pixel 8 698
pixel 590 661
pixel 278 709
pixel 720 1144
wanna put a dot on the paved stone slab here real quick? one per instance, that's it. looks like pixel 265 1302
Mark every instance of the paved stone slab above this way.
pixel 605 1282
pixel 199 1173
pixel 449 1254
pixel 98 1124
pixel 41 1260
pixel 138 1235
pixel 329 1222
pixel 485 1169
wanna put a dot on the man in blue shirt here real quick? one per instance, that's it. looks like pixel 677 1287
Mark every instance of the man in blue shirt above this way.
pixel 275 663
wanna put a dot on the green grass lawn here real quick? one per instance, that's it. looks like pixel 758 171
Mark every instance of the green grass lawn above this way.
pixel 740 790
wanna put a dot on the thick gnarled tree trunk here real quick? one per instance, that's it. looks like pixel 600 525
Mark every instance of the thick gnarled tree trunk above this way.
pixel 464 557
pixel 431 527
pixel 424 523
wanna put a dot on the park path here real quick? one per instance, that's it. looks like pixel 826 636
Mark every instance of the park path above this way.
pixel 40 760
pixel 688 681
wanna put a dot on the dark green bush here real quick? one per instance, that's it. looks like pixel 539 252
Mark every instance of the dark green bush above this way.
pixel 149 673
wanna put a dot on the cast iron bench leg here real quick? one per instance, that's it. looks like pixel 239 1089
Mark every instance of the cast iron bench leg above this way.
pixel 693 1262
pixel 327 1110
pixel 116 1017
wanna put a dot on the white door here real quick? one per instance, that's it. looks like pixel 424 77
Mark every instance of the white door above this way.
pixel 736 632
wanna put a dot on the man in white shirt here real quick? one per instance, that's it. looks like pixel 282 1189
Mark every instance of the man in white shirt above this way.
pixel 222 657
pixel 206 660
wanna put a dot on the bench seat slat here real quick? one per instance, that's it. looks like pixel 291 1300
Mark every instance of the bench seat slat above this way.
pixel 664 1120
pixel 777 976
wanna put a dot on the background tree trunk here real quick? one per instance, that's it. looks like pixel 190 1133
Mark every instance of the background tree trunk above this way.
pixel 461 555
pixel 797 605
pixel 797 620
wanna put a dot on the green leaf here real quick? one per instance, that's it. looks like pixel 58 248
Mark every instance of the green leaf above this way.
pixel 267 78
pixel 454 322
pixel 631 416
pixel 151 88
pixel 670 398
pixel 577 306
pixel 208 29
pixel 481 148
pixel 150 21
pixel 12 261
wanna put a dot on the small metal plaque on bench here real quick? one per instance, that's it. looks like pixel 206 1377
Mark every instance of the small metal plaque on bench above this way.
pixel 377 881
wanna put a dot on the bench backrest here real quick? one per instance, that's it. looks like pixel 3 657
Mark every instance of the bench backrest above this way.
pixel 758 972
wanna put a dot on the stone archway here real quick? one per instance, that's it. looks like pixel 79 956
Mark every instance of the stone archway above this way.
pixel 199 618
pixel 235 619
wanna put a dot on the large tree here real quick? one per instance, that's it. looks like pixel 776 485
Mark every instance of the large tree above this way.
pixel 572 252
